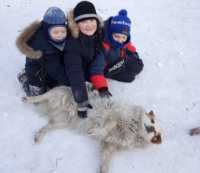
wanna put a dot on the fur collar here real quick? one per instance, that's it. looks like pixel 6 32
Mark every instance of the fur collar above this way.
pixel 73 27
pixel 22 39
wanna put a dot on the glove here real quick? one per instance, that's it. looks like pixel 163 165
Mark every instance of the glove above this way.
pixel 82 109
pixel 104 92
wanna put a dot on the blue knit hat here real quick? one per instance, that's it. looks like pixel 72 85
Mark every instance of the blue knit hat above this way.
pixel 120 23
pixel 54 16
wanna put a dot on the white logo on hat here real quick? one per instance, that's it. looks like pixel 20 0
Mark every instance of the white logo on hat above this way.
pixel 120 23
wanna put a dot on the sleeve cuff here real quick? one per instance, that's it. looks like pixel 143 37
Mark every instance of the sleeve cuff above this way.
pixel 98 81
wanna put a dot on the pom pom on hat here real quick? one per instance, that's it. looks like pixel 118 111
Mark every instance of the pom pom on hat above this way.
pixel 123 12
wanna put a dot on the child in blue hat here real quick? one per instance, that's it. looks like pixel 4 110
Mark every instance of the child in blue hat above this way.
pixel 43 44
pixel 121 60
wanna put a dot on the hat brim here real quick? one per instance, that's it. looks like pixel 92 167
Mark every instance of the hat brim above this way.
pixel 85 17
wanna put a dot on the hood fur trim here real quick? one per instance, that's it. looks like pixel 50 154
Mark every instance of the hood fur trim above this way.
pixel 21 41
pixel 73 27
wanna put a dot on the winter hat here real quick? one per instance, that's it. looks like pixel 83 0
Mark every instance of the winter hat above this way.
pixel 120 23
pixel 54 16
pixel 84 10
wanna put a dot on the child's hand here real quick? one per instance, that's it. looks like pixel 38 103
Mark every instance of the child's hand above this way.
pixel 104 92
pixel 83 108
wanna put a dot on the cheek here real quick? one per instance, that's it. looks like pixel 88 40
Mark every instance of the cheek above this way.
pixel 81 26
pixel 95 26
pixel 63 34
pixel 124 39
pixel 54 35
pixel 116 38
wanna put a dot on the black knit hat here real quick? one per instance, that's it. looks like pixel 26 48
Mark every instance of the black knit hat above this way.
pixel 84 10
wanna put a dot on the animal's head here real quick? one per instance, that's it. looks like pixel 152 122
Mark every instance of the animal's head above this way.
pixel 134 129
pixel 151 129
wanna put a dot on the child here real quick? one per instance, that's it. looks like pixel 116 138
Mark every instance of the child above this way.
pixel 120 57
pixel 43 44
pixel 80 52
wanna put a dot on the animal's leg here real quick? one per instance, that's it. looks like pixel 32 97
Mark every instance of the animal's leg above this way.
pixel 107 151
pixel 195 131
pixel 49 127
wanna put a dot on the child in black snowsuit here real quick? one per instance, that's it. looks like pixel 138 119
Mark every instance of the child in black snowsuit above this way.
pixel 43 44
pixel 120 58
pixel 80 52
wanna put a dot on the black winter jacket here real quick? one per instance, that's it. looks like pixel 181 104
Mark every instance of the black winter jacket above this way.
pixel 79 55
pixel 44 62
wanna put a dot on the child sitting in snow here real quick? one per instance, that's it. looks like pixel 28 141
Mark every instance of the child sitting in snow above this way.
pixel 120 58
pixel 43 43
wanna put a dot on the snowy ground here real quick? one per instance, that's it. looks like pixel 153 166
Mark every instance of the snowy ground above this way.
pixel 166 33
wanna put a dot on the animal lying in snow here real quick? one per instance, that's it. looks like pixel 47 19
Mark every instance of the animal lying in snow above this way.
pixel 116 126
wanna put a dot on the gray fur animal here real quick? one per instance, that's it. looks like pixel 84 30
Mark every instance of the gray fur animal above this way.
pixel 114 125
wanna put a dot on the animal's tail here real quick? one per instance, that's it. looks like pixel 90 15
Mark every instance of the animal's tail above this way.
pixel 35 99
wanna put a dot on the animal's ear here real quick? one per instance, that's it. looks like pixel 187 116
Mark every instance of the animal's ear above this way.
pixel 151 113
pixel 151 116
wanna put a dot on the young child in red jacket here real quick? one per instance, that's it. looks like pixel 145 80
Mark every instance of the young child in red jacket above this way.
pixel 120 60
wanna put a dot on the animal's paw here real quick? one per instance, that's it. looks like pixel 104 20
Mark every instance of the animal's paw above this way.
pixel 103 169
pixel 25 99
pixel 96 133
pixel 38 137
pixel 195 131
pixel 91 131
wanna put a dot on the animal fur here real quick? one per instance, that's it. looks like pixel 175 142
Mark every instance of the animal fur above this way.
pixel 23 38
pixel 115 126
pixel 195 131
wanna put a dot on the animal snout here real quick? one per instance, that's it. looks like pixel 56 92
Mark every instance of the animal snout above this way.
pixel 157 139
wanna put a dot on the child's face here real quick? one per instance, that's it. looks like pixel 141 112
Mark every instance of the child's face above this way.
pixel 58 33
pixel 120 38
pixel 88 27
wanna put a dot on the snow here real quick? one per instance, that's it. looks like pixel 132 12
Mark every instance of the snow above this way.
pixel 166 33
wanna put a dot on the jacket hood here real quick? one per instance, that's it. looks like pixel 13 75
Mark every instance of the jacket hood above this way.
pixel 23 38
